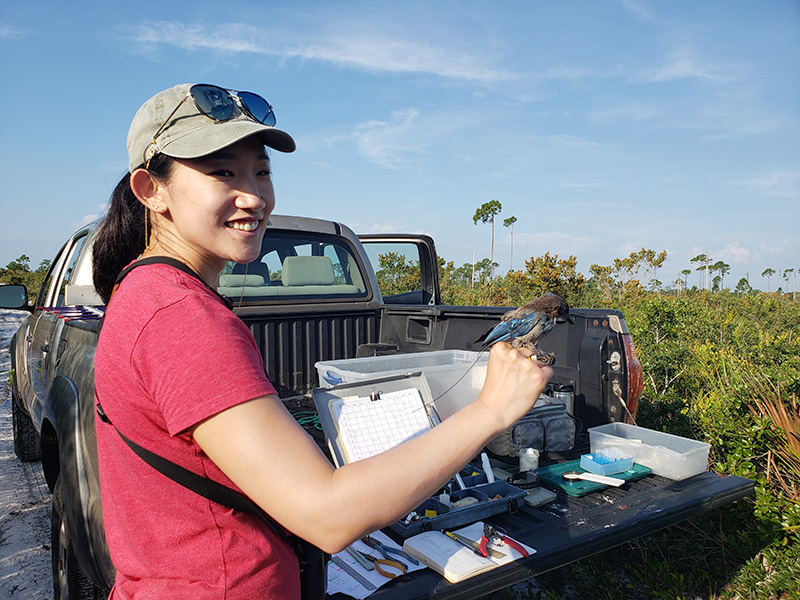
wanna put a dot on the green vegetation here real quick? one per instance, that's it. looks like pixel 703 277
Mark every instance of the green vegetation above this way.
pixel 723 367
pixel 18 272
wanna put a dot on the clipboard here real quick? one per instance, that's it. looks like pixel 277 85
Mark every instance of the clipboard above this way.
pixel 363 418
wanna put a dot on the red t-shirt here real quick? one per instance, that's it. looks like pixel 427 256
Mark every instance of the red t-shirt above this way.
pixel 170 355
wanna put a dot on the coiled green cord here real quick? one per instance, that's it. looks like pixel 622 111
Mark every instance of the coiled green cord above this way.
pixel 308 418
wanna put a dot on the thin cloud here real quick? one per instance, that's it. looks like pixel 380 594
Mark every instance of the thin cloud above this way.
pixel 8 32
pixel 358 50
pixel 384 142
pixel 684 66
pixel 779 183
pixel 637 10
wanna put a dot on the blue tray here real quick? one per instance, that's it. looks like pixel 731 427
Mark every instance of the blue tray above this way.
pixel 492 499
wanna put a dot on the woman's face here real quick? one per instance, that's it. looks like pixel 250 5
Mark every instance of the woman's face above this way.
pixel 217 207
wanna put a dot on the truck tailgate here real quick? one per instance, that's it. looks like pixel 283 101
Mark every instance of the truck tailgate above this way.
pixel 569 529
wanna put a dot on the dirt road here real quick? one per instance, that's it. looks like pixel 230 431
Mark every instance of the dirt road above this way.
pixel 24 499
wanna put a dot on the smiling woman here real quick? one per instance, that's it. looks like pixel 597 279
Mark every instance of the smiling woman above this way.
pixel 179 375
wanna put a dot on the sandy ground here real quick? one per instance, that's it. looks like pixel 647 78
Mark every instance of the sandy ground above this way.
pixel 24 499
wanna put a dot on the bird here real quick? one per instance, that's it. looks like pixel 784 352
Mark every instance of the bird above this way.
pixel 526 325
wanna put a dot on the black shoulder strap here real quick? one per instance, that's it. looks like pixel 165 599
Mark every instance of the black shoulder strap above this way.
pixel 203 486
pixel 166 260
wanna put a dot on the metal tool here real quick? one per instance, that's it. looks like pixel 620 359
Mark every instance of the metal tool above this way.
pixel 387 550
pixel 378 564
pixel 368 565
pixel 576 475
pixel 490 534
pixel 353 573
pixel 476 547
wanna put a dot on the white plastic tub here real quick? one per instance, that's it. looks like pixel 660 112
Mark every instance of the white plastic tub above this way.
pixel 668 455
pixel 455 377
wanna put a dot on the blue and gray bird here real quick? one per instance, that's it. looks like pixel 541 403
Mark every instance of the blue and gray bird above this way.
pixel 526 325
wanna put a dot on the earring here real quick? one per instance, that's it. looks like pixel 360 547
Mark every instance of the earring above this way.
pixel 147 226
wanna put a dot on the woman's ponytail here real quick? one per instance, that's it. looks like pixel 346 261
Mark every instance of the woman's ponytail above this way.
pixel 120 236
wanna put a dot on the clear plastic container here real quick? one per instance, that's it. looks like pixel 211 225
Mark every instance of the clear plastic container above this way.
pixel 668 455
pixel 455 377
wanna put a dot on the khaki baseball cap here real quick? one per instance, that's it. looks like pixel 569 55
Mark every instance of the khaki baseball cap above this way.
pixel 190 133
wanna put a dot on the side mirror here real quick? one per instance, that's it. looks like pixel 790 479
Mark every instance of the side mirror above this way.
pixel 13 296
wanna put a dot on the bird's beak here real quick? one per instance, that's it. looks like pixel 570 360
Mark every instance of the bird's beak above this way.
pixel 570 319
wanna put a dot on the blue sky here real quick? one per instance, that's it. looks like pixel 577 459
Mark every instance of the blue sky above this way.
pixel 603 127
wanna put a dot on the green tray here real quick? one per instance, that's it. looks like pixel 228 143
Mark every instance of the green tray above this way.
pixel 551 477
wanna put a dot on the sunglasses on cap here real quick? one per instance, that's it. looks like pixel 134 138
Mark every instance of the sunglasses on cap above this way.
pixel 218 104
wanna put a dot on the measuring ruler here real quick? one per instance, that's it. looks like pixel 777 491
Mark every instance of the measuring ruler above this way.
pixel 353 573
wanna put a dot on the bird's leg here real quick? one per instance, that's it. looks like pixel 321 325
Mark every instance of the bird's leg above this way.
pixel 546 358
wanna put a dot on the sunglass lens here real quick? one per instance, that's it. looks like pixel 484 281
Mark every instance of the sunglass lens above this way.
pixel 258 108
pixel 213 101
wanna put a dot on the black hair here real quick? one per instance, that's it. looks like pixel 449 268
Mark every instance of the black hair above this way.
pixel 120 236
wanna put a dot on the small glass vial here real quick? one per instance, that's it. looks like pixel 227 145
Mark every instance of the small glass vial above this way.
pixel 528 459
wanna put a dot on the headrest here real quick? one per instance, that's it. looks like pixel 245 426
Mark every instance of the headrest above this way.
pixel 233 280
pixel 307 270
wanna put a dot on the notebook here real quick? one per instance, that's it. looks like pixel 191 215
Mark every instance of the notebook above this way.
pixel 451 559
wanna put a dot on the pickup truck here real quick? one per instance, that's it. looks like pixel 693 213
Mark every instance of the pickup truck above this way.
pixel 331 308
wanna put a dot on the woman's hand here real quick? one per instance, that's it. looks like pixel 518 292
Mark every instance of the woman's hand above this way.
pixel 513 383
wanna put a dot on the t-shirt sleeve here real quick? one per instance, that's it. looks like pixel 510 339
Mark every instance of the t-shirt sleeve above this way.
pixel 196 358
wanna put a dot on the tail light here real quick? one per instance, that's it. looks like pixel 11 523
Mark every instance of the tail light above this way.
pixel 635 376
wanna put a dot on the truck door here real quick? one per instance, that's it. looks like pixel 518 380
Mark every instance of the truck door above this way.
pixel 43 335
pixel 406 266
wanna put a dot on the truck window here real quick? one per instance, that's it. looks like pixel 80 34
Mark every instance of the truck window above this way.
pixel 41 298
pixel 397 267
pixel 74 253
pixel 297 265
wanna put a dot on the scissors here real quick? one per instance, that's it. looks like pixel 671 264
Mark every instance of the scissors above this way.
pixel 386 551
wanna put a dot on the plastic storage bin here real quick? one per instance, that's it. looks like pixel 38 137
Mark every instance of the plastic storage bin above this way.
pixel 455 377
pixel 668 455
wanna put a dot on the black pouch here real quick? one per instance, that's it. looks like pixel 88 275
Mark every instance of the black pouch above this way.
pixel 548 428
pixel 313 570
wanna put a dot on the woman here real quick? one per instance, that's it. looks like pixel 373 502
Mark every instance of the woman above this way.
pixel 179 374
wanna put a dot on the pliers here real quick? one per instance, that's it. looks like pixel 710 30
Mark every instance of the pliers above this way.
pixel 400 566
pixel 490 535
pixel 369 562
pixel 386 551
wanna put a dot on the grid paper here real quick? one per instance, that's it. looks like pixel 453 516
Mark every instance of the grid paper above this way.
pixel 368 427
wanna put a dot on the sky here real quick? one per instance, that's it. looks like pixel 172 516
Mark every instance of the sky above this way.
pixel 603 127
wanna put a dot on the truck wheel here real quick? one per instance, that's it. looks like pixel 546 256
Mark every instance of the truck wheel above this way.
pixel 69 580
pixel 27 443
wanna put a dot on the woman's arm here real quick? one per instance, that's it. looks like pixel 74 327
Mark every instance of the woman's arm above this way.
pixel 264 451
